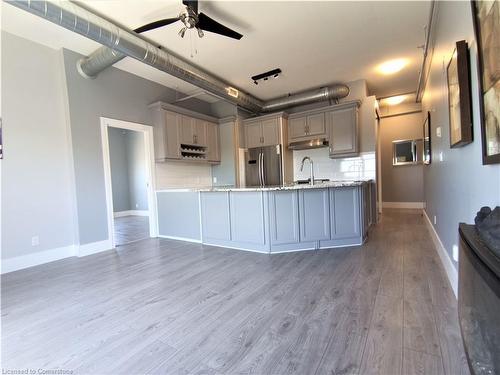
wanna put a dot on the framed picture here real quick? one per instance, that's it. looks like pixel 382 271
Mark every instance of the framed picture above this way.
pixel 459 101
pixel 426 158
pixel 486 17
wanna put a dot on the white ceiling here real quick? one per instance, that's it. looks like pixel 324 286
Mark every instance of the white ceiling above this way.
pixel 314 43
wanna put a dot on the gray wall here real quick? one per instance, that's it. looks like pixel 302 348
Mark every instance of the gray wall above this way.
pixel 36 170
pixel 114 94
pixel 119 169
pixel 136 159
pixel 456 187
pixel 403 183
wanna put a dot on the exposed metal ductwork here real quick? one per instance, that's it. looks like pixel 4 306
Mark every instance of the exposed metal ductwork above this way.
pixel 118 43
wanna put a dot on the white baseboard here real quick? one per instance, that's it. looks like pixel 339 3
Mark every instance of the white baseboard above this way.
pixel 179 238
pixel 131 213
pixel 403 205
pixel 35 259
pixel 51 255
pixel 449 268
pixel 94 248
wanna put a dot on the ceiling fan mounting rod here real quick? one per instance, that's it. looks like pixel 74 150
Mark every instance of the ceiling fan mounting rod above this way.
pixel 118 42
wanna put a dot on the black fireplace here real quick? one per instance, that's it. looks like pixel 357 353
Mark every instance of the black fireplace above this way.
pixel 479 301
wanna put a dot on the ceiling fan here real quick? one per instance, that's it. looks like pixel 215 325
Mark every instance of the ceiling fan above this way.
pixel 192 20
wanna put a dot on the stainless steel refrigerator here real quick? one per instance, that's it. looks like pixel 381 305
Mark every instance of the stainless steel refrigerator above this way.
pixel 263 166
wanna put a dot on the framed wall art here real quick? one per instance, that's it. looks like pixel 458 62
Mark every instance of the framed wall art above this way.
pixel 486 17
pixel 427 158
pixel 459 99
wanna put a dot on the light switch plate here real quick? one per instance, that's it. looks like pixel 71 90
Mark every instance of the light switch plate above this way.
pixel 438 131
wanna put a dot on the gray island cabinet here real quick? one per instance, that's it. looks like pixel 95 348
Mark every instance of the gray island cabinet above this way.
pixel 270 220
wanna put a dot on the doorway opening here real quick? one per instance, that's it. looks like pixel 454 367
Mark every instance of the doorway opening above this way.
pixel 128 170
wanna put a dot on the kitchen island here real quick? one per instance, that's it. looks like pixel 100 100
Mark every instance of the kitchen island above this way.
pixel 270 219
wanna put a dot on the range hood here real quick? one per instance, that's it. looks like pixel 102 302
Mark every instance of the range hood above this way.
pixel 309 144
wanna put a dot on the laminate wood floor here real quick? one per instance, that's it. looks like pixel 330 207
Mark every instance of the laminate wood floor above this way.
pixel 130 228
pixel 170 307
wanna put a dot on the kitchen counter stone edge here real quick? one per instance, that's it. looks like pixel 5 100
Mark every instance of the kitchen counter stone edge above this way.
pixel 323 185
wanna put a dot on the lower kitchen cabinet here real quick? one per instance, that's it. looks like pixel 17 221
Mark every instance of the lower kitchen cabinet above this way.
pixel 284 217
pixel 314 214
pixel 248 221
pixel 269 221
pixel 215 219
pixel 179 215
pixel 345 212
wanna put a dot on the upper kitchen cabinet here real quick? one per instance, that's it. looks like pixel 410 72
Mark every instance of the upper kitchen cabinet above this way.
pixel 193 131
pixel 302 126
pixel 181 134
pixel 166 135
pixel 343 131
pixel 263 131
pixel 213 140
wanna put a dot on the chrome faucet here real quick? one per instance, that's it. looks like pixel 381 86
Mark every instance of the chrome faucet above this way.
pixel 311 163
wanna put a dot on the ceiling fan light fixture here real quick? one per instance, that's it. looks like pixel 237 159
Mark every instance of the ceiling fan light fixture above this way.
pixel 200 32
pixel 182 32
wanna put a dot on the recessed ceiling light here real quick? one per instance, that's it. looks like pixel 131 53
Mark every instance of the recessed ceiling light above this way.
pixel 392 66
pixel 394 100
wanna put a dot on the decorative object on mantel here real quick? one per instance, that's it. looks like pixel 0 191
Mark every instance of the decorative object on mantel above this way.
pixel 488 226
pixel 486 15
pixel 459 101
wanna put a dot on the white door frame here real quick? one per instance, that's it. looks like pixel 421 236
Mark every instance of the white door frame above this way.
pixel 147 132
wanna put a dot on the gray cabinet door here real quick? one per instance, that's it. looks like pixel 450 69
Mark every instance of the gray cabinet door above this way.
pixel 186 130
pixel 270 132
pixel 345 212
pixel 253 134
pixel 314 213
pixel 296 128
pixel 316 124
pixel 247 218
pixel 213 147
pixel 343 131
pixel 171 136
pixel 179 215
pixel 215 216
pixel 284 217
pixel 200 132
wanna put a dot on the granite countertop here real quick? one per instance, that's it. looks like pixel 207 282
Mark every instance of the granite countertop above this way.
pixel 319 185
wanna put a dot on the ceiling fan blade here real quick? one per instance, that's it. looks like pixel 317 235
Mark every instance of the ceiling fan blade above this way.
pixel 208 24
pixel 193 4
pixel 156 24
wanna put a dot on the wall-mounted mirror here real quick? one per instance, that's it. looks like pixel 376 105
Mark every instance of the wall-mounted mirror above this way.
pixel 427 140
pixel 408 151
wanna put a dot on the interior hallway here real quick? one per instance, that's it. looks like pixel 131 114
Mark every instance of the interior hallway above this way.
pixel 129 229
pixel 385 307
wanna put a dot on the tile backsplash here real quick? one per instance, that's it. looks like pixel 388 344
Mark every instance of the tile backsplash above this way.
pixel 182 175
pixel 351 168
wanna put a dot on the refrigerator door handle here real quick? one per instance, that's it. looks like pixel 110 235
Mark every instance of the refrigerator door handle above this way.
pixel 262 170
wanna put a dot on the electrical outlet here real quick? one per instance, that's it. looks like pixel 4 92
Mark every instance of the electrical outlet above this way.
pixel 438 131
pixel 215 179
pixel 435 220
pixel 35 241
pixel 455 253
pixel 441 156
